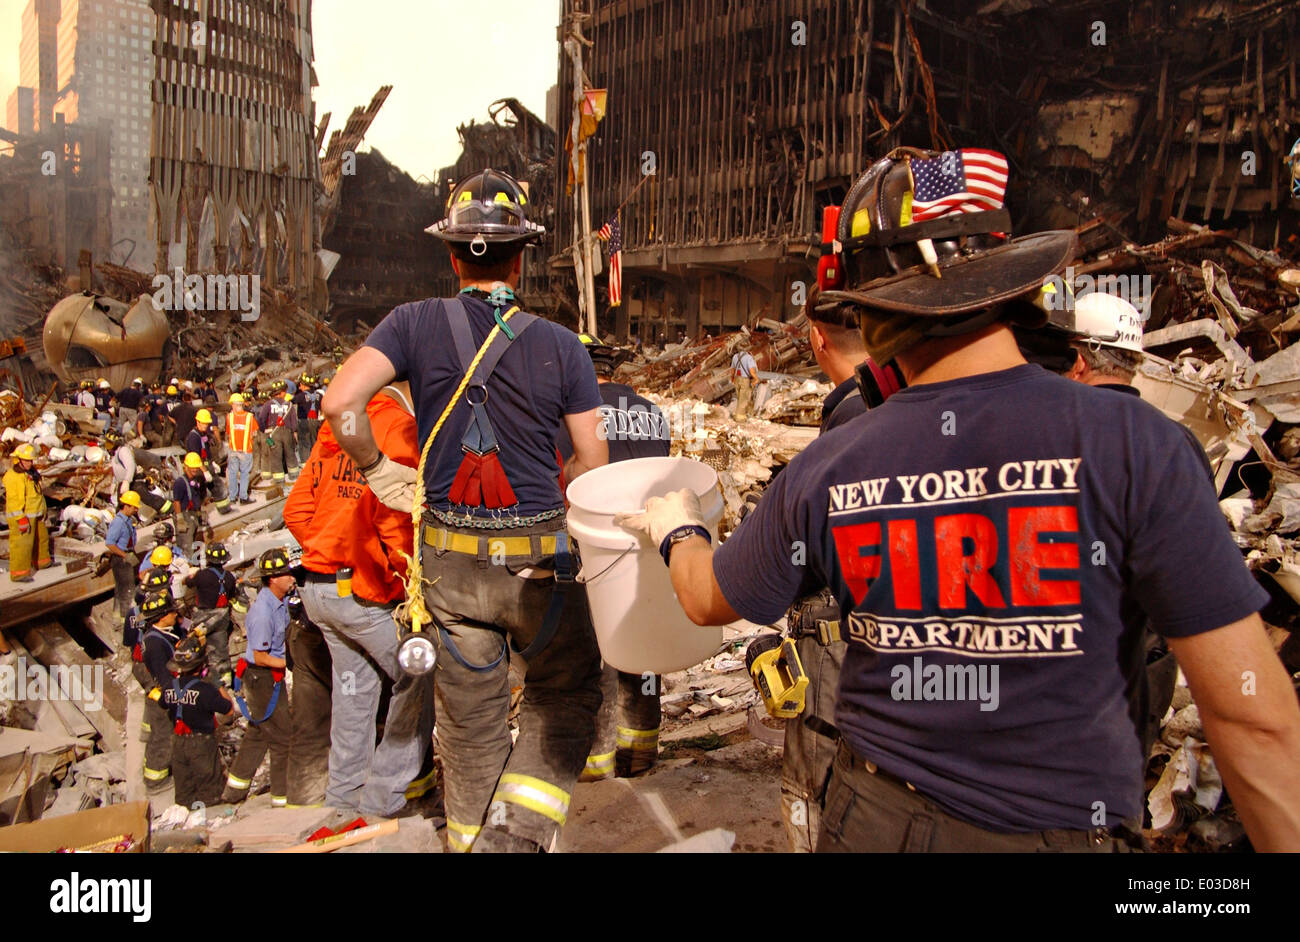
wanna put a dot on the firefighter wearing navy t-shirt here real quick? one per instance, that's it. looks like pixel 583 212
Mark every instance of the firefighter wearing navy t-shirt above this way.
pixel 157 643
pixel 203 441
pixel 278 420
pixel 997 538
pixel 307 401
pixel 189 491
pixel 627 727
pixel 259 682
pixel 214 595
pixel 810 738
pixel 193 706
pixel 492 543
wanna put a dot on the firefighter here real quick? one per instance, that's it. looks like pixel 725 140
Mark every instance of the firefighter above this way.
pixel 811 738
pixel 307 401
pixel 627 727
pixel 215 593
pixel 120 544
pixel 128 406
pixel 962 526
pixel 194 707
pixel 354 557
pixel 265 698
pixel 157 644
pixel 278 420
pixel 498 563
pixel 309 742
pixel 189 491
pixel 25 513
pixel 203 441
pixel 744 375
pixel 241 436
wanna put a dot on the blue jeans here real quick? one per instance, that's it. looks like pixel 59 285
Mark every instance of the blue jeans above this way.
pixel 362 639
pixel 239 472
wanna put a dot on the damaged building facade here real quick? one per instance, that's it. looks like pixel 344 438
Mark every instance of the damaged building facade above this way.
pixel 756 116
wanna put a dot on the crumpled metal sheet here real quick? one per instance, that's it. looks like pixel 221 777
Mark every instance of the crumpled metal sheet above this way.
pixel 89 337
pixel 1190 786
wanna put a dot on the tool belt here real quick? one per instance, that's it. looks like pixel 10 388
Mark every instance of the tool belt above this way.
pixel 817 616
pixel 533 545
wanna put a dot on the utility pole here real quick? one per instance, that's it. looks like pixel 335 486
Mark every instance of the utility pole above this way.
pixel 582 261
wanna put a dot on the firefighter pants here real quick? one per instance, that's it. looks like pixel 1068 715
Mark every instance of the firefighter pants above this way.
pixel 308 429
pixel 309 749
pixel 239 474
pixel 809 749
pixel 23 546
pixel 196 769
pixel 868 810
pixel 158 745
pixel 744 397
pixel 124 569
pixel 362 639
pixel 627 726
pixel 496 797
pixel 218 642
pixel 126 420
pixel 280 458
pixel 275 732
pixel 189 525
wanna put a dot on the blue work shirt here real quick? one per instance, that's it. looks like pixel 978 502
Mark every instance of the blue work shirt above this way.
pixel 121 533
pixel 265 624
pixel 742 364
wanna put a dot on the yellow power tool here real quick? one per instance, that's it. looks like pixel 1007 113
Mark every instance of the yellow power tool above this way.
pixel 773 662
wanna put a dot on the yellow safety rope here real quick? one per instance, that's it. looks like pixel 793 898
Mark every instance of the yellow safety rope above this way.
pixel 413 611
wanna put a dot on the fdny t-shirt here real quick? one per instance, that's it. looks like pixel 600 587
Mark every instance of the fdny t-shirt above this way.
pixel 632 426
pixel 196 702
pixel 997 544
pixel 545 375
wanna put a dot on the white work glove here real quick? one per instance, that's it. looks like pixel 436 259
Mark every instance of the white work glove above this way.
pixel 392 483
pixel 663 515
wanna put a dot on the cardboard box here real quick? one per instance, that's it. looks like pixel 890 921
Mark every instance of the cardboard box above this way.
pixel 73 831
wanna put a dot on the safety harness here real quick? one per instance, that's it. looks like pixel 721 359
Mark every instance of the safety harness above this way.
pixel 179 726
pixel 277 674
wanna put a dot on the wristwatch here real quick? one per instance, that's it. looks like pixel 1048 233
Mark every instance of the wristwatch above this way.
pixel 678 535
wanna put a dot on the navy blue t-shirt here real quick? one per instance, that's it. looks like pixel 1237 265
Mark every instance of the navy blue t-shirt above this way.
pixel 532 389
pixel 1014 520
pixel 845 402
pixel 632 425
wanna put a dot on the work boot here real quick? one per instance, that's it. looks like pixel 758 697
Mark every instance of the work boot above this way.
pixel 491 841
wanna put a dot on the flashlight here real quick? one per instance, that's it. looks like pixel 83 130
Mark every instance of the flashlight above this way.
pixel 415 653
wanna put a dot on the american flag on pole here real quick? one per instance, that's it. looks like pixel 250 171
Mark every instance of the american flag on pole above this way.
pixel 611 233
pixel 969 180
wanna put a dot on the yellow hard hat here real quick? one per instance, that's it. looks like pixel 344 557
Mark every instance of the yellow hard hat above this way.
pixel 236 398
pixel 203 416
pixel 161 556
pixel 171 391
pixel 192 460
pixel 25 452
pixel 131 499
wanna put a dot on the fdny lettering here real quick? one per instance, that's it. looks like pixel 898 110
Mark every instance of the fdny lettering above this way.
pixel 187 697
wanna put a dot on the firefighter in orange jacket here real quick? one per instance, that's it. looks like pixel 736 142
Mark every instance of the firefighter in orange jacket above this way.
pixel 352 554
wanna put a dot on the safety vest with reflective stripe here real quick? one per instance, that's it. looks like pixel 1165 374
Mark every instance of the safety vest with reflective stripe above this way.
pixel 239 431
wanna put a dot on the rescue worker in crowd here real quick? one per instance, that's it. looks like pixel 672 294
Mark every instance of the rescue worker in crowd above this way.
pixel 498 563
pixel 241 439
pixel 189 491
pixel 627 727
pixel 307 401
pixel 127 472
pixel 354 553
pixel 120 544
pixel 85 396
pixel 128 406
pixel 744 376
pixel 194 707
pixel 155 422
pixel 104 403
pixel 29 537
pixel 215 594
pixel 161 558
pixel 262 695
pixel 184 417
pixel 810 738
pixel 158 642
pixel 278 420
pixel 203 441
pixel 960 524
pixel 309 739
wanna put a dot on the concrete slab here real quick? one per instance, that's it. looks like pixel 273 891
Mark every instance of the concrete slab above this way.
pixel 273 827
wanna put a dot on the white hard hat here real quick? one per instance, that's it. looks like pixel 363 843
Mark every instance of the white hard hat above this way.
pixel 1104 319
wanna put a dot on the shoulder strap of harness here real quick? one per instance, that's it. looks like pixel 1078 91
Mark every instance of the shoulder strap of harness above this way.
pixel 458 318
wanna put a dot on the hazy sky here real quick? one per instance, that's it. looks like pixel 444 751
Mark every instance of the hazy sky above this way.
pixel 447 60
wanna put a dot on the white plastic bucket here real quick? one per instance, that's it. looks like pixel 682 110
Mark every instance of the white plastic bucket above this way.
pixel 639 624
